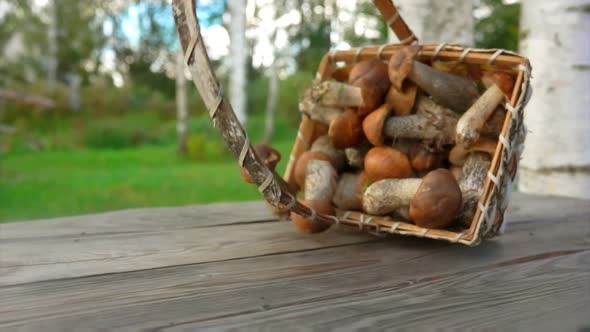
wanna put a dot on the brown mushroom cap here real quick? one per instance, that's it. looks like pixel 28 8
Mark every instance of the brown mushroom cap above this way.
pixel 373 125
pixel 383 162
pixel 341 74
pixel 345 130
pixel 459 153
pixel 307 226
pixel 421 158
pixel 269 156
pixel 437 201
pixel 401 64
pixel 402 101
pixel 372 77
pixel 301 165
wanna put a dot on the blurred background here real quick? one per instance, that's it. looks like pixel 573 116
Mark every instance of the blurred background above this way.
pixel 97 111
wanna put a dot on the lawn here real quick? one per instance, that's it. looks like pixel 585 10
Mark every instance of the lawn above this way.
pixel 53 183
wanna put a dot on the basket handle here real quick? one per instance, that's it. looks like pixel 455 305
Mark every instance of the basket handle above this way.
pixel 274 189
pixel 394 20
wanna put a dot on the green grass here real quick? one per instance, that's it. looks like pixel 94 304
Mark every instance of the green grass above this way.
pixel 60 182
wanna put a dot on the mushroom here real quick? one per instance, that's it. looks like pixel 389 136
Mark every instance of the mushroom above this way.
pixel 472 71
pixel 379 125
pixel 372 77
pixel 503 80
pixel 321 149
pixel 355 155
pixel 434 200
pixel 345 128
pixel 349 191
pixel 331 94
pixel 431 122
pixel 383 162
pixel 402 101
pixel 341 74
pixel 475 163
pixel 269 156
pixel 422 158
pixel 320 185
pixel 455 92
pixel 471 123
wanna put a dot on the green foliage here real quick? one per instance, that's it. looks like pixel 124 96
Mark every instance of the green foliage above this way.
pixel 52 183
pixel 499 29
pixel 195 147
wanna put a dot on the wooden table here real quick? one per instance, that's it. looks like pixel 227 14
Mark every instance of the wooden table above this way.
pixel 233 265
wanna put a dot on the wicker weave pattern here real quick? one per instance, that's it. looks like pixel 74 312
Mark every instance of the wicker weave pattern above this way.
pixel 492 205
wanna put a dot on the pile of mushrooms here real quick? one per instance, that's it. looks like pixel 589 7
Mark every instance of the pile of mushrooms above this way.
pixel 407 139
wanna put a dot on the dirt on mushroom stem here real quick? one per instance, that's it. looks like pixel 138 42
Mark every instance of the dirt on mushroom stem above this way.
pixel 471 183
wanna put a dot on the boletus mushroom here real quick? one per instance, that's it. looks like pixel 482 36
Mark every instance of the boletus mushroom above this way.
pixel 452 91
pixel 372 77
pixel 382 162
pixel 345 127
pixel 471 122
pixel 349 191
pixel 321 149
pixel 475 163
pixel 434 200
pixel 320 186
pixel 380 125
pixel 423 158
pixel 431 122
pixel 402 101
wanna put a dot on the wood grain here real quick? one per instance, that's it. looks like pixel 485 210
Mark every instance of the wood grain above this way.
pixel 50 258
pixel 139 220
pixel 537 273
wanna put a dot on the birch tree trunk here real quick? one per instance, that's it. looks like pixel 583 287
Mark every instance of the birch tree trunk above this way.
pixel 181 105
pixel 52 62
pixel 271 103
pixel 436 21
pixel 556 38
pixel 237 78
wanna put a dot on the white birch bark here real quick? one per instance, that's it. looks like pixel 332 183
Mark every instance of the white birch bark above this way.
pixel 556 38
pixel 271 103
pixel 181 105
pixel 238 49
pixel 52 62
pixel 436 21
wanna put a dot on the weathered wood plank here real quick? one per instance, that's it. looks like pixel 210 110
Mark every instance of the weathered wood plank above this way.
pixel 238 291
pixel 57 257
pixel 139 220
pixel 545 294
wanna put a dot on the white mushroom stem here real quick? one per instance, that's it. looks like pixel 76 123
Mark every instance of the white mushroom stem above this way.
pixel 323 144
pixel 427 106
pixel 471 182
pixel 324 101
pixel 438 128
pixel 318 113
pixel 471 123
pixel 438 123
pixel 346 193
pixel 385 196
pixel 320 181
pixel 336 94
